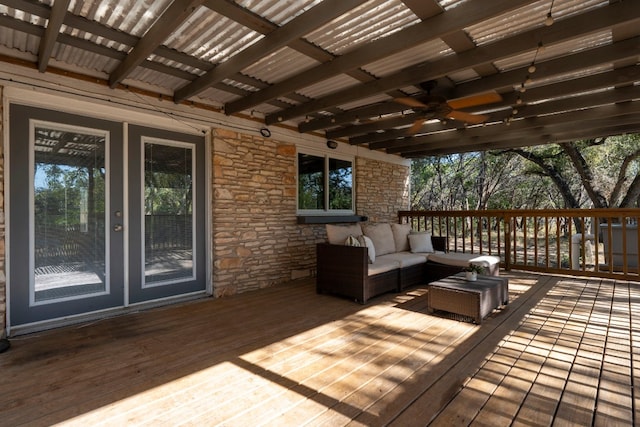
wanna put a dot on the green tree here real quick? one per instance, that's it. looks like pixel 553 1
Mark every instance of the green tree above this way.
pixel 599 172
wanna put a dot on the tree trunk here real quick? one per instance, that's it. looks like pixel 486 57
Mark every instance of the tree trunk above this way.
pixel 630 200
pixel 586 176
pixel 554 174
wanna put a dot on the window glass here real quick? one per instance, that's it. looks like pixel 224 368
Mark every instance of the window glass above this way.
pixel 340 184
pixel 310 182
pixel 324 183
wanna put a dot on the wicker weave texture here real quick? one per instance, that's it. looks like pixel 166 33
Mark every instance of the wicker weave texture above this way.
pixel 473 299
pixel 455 301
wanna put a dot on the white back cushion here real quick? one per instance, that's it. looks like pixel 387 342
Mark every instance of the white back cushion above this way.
pixel 401 236
pixel 382 237
pixel 338 234
pixel 420 243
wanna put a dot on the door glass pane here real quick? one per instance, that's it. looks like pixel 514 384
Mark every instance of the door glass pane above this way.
pixel 69 213
pixel 168 213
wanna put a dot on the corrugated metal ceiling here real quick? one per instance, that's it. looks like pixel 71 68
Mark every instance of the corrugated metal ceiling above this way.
pixel 372 20
pixel 334 67
pixel 528 17
pixel 211 37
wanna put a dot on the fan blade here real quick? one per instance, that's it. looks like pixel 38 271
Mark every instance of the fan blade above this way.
pixel 411 102
pixel 417 125
pixel 473 119
pixel 472 101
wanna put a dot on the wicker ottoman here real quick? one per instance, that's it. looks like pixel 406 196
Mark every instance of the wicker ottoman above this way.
pixel 476 299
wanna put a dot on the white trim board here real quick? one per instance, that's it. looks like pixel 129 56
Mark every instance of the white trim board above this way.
pixel 99 101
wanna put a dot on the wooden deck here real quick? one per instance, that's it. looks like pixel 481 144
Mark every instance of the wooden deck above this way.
pixel 566 351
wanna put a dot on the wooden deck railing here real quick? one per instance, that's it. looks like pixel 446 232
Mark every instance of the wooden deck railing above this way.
pixel 593 242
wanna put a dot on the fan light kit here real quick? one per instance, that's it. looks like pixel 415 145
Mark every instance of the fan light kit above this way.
pixel 438 107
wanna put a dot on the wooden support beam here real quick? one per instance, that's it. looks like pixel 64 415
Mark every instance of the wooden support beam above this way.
pixel 552 130
pixel 573 109
pixel 464 15
pixel 278 38
pixel 259 24
pixel 571 28
pixel 584 120
pixel 541 139
pixel 175 14
pixel 58 12
pixel 504 82
pixel 620 77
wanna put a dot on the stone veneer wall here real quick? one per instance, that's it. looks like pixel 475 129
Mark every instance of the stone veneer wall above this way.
pixel 256 239
pixel 382 189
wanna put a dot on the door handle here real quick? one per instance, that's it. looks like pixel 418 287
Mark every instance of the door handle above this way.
pixel 117 227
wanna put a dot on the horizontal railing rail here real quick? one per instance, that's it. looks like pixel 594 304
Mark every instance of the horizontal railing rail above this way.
pixel 589 242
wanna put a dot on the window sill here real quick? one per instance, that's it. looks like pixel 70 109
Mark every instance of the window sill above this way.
pixel 330 219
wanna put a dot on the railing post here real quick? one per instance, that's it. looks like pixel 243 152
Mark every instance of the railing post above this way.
pixel 507 242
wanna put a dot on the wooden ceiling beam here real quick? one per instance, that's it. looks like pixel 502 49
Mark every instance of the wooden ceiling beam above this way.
pixel 619 77
pixel 372 127
pixel 464 15
pixel 620 50
pixel 461 138
pixel 577 103
pixel 351 116
pixel 567 109
pixel 95 28
pixel 532 141
pixel 303 24
pixel 504 82
pixel 108 52
pixel 424 9
pixel 461 42
pixel 56 18
pixel 550 128
pixel 570 28
pixel 22 26
pixel 171 18
pixel 247 18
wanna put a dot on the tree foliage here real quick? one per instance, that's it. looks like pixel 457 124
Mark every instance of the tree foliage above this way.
pixel 593 173
pixel 64 195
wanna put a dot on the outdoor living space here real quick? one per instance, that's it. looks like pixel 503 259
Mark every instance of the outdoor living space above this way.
pixel 169 169
pixel 563 352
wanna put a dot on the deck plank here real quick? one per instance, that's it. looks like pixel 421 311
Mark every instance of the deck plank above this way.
pixel 565 349
pixel 447 379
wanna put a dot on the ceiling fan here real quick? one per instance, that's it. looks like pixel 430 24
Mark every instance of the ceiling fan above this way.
pixel 437 107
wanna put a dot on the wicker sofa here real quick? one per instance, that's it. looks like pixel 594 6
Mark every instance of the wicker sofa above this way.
pixel 352 272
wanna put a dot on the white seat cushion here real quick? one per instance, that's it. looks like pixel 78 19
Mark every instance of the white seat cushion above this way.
pixel 463 260
pixel 406 259
pixel 382 266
